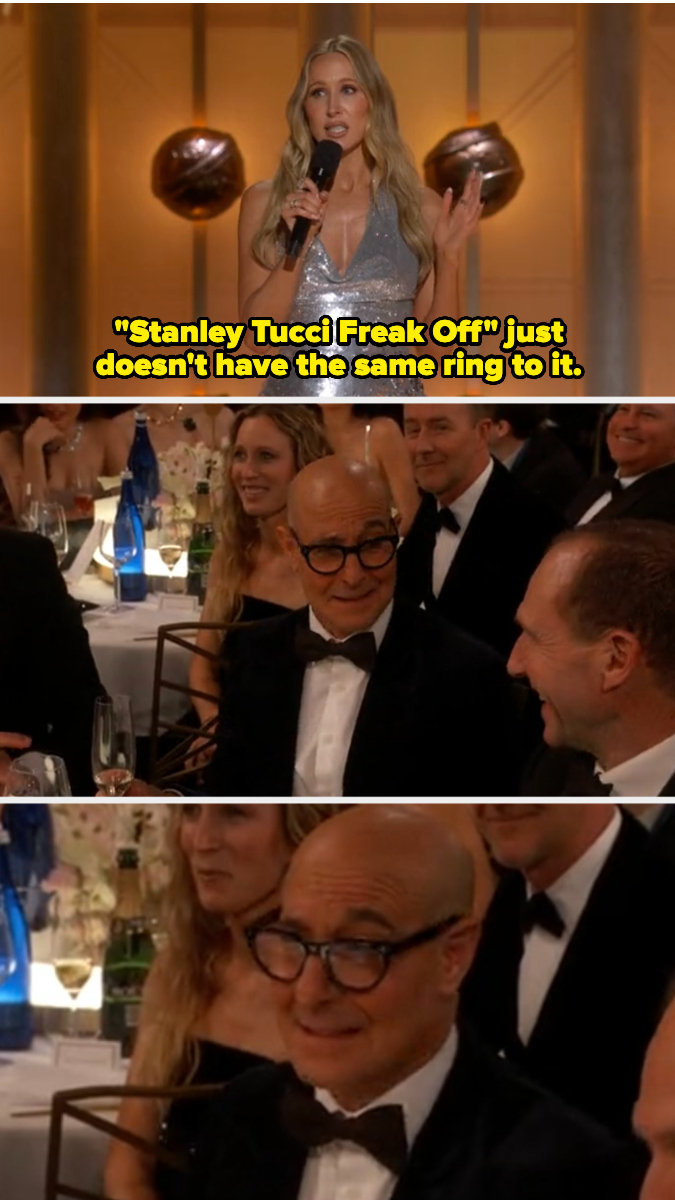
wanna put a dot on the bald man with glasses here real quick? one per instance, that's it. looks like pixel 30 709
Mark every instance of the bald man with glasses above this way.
pixel 385 1097
pixel 358 695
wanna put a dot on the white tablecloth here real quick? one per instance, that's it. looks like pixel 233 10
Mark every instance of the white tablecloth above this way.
pixel 126 665
pixel 28 1080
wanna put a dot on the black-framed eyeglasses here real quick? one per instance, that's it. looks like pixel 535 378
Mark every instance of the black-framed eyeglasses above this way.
pixel 326 558
pixel 351 964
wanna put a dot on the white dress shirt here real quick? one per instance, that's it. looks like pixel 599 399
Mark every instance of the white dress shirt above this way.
pixel 332 695
pixel 343 1171
pixel 543 952
pixel 447 542
pixel 645 775
pixel 606 499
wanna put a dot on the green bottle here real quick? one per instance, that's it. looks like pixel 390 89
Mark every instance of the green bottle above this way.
pixel 202 543
pixel 128 957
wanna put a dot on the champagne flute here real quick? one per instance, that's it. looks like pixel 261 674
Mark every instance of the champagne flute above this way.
pixel 113 755
pixel 172 540
pixel 7 949
pixel 50 521
pixel 118 560
pixel 72 954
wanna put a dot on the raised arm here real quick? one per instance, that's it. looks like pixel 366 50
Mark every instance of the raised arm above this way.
pixel 11 470
pixel 393 461
pixel 265 293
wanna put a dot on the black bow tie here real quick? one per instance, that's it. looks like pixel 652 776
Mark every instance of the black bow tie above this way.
pixel 540 912
pixel 361 649
pixel 380 1131
pixel 446 519
pixel 610 483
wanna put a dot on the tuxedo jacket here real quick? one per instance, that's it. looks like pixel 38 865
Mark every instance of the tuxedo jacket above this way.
pixel 437 718
pixel 650 498
pixel 492 1135
pixel 663 833
pixel 48 678
pixel 506 539
pixel 608 995
pixel 568 772
pixel 547 468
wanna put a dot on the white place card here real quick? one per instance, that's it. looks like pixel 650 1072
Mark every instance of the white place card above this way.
pixel 85 554
pixel 178 604
pixel 86 1052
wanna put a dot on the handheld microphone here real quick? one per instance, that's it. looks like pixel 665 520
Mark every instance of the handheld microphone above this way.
pixel 322 168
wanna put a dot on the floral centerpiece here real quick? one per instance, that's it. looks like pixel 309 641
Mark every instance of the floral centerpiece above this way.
pixel 182 468
pixel 87 837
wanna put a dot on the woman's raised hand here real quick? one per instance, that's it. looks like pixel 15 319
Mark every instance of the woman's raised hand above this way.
pixel 456 222
pixel 306 201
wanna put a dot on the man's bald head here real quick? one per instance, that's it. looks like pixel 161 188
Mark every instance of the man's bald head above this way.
pixel 380 895
pixel 336 504
pixel 417 862
pixel 319 484
pixel 655 1111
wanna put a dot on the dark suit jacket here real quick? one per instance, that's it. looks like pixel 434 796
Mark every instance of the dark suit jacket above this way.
pixel 652 498
pixel 492 1135
pixel 436 720
pixel 547 468
pixel 567 773
pixel 610 990
pixel 48 678
pixel 504 543
pixel 663 833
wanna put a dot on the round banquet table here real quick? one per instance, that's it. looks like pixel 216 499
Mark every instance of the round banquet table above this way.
pixel 124 646
pixel 27 1083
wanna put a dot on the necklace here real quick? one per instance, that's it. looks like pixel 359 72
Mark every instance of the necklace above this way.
pixel 165 420
pixel 75 439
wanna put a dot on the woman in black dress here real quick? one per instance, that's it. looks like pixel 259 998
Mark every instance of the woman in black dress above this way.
pixel 207 1013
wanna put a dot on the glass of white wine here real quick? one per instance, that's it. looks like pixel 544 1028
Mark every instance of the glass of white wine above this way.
pixel 172 539
pixel 113 754
pixel 73 954
pixel 50 521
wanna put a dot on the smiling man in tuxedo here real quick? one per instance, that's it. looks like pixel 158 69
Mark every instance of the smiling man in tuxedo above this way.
pixel 358 695
pixel 478 535
pixel 386 1096
pixel 577 952
pixel 641 443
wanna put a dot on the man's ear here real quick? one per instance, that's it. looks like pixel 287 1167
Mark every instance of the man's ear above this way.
pixel 287 541
pixel 621 655
pixel 460 950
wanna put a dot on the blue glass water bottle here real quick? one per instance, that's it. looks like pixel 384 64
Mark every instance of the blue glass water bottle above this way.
pixel 129 542
pixel 145 470
pixel 16 1021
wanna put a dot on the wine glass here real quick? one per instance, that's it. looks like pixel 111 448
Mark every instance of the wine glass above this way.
pixel 172 539
pixel 7 949
pixel 113 755
pixel 20 781
pixel 73 953
pixel 119 559
pixel 50 521
pixel 47 772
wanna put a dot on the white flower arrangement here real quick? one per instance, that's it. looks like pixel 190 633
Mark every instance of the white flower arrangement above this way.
pixel 87 837
pixel 183 467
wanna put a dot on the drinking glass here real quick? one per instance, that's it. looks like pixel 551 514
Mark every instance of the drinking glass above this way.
pixel 73 952
pixel 7 950
pixel 50 521
pixel 38 775
pixel 172 539
pixel 113 755
pixel 116 559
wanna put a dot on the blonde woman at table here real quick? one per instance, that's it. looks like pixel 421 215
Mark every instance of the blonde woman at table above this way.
pixel 357 433
pixel 207 1013
pixel 250 576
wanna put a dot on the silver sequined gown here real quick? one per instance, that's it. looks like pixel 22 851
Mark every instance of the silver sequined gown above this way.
pixel 379 285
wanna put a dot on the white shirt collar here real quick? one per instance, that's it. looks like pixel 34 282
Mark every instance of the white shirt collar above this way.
pixel 416 1095
pixel 378 629
pixel 628 480
pixel 645 775
pixel 571 892
pixel 465 505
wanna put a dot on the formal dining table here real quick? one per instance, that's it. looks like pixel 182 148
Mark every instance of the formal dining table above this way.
pixel 124 646
pixel 27 1084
